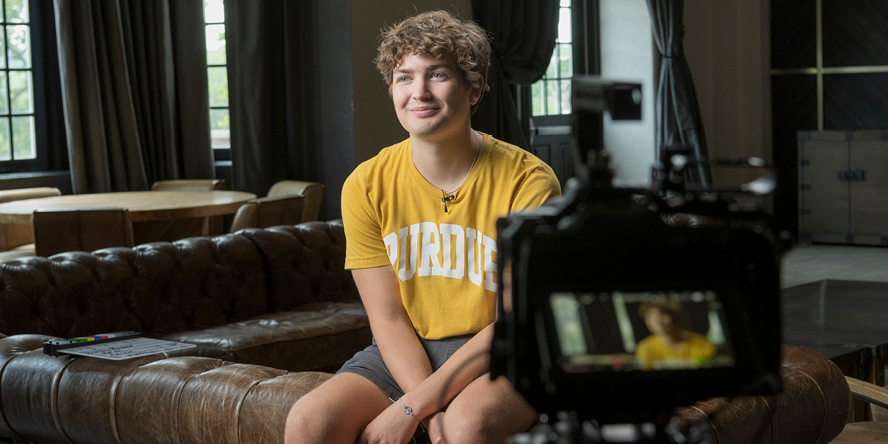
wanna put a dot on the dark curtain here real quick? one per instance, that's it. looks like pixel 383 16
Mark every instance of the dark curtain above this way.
pixel 133 75
pixel 678 113
pixel 523 34
pixel 270 83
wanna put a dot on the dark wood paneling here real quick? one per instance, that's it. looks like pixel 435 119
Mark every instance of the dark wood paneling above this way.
pixel 793 34
pixel 855 32
pixel 855 101
pixel 794 108
pixel 556 151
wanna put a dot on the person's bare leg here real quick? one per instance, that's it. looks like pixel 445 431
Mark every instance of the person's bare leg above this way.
pixel 335 412
pixel 486 412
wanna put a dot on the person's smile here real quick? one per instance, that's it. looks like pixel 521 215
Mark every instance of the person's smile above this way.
pixel 424 111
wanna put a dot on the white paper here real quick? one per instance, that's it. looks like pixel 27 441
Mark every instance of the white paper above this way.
pixel 127 348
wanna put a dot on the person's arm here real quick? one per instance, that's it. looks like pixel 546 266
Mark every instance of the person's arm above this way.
pixel 427 398
pixel 401 350
pixel 469 362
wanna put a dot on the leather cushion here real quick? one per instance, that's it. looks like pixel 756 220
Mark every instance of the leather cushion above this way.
pixel 318 336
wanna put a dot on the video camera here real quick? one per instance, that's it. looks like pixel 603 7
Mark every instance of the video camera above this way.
pixel 619 317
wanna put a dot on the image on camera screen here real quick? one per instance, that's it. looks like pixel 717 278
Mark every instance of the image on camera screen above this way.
pixel 624 331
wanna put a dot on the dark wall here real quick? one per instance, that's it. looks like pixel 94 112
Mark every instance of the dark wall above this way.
pixel 853 35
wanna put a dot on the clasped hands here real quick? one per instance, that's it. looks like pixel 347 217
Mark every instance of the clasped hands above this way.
pixel 395 426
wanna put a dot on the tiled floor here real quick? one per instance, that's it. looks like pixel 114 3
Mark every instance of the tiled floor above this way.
pixel 811 263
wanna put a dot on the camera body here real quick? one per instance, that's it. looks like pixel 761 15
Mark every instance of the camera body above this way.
pixel 592 272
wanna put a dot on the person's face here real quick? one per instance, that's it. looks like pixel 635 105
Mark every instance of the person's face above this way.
pixel 657 321
pixel 430 95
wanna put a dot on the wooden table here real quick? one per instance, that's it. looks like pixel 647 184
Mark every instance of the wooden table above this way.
pixel 835 312
pixel 142 205
pixel 844 321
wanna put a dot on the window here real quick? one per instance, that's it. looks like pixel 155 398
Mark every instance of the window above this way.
pixel 611 38
pixel 545 105
pixel 217 74
pixel 17 117
pixel 551 95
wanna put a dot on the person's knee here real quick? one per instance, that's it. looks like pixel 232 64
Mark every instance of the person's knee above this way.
pixel 469 424
pixel 300 423
pixel 459 427
pixel 486 419
pixel 336 411
pixel 309 422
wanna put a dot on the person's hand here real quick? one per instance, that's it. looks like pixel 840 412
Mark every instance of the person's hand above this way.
pixel 392 426
pixel 435 426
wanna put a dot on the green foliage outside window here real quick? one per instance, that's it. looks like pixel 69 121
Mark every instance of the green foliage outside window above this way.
pixel 551 95
pixel 217 71
pixel 17 139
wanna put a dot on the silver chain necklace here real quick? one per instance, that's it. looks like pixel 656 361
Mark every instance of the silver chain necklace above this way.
pixel 447 197
pixel 477 152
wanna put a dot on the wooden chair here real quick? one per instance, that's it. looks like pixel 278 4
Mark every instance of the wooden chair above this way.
pixel 81 230
pixel 171 230
pixel 21 236
pixel 865 432
pixel 268 212
pixel 189 185
pixel 313 192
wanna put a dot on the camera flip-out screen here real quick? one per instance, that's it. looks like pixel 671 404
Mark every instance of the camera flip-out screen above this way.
pixel 626 308
pixel 640 331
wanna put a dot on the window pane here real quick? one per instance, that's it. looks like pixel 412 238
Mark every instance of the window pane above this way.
pixel 536 98
pixel 17 11
pixel 2 46
pixel 23 137
pixel 4 102
pixel 5 153
pixel 552 97
pixel 216 45
pixel 214 11
pixel 565 3
pixel 564 25
pixel 220 138
pixel 552 70
pixel 565 62
pixel 19 46
pixel 218 84
pixel 219 119
pixel 565 97
pixel 20 92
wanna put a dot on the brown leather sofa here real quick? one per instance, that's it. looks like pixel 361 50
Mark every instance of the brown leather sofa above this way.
pixel 267 308
pixel 198 400
pixel 278 297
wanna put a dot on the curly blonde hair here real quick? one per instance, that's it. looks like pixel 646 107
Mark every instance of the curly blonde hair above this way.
pixel 438 34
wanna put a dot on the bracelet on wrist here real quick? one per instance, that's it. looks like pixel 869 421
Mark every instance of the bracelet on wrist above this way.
pixel 409 411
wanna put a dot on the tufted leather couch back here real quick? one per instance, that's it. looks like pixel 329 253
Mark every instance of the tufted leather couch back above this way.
pixel 190 284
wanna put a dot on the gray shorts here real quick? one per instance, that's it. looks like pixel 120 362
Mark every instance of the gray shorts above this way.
pixel 369 364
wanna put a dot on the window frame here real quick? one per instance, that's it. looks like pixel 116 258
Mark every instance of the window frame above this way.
pixel 586 52
pixel 221 152
pixel 42 40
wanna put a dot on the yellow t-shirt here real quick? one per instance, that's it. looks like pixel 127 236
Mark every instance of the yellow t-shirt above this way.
pixel 694 351
pixel 445 262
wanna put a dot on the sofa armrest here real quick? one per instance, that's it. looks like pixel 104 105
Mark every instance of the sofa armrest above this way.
pixel 148 400
pixel 812 408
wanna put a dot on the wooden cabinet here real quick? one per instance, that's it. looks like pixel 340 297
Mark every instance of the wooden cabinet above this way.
pixel 843 187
